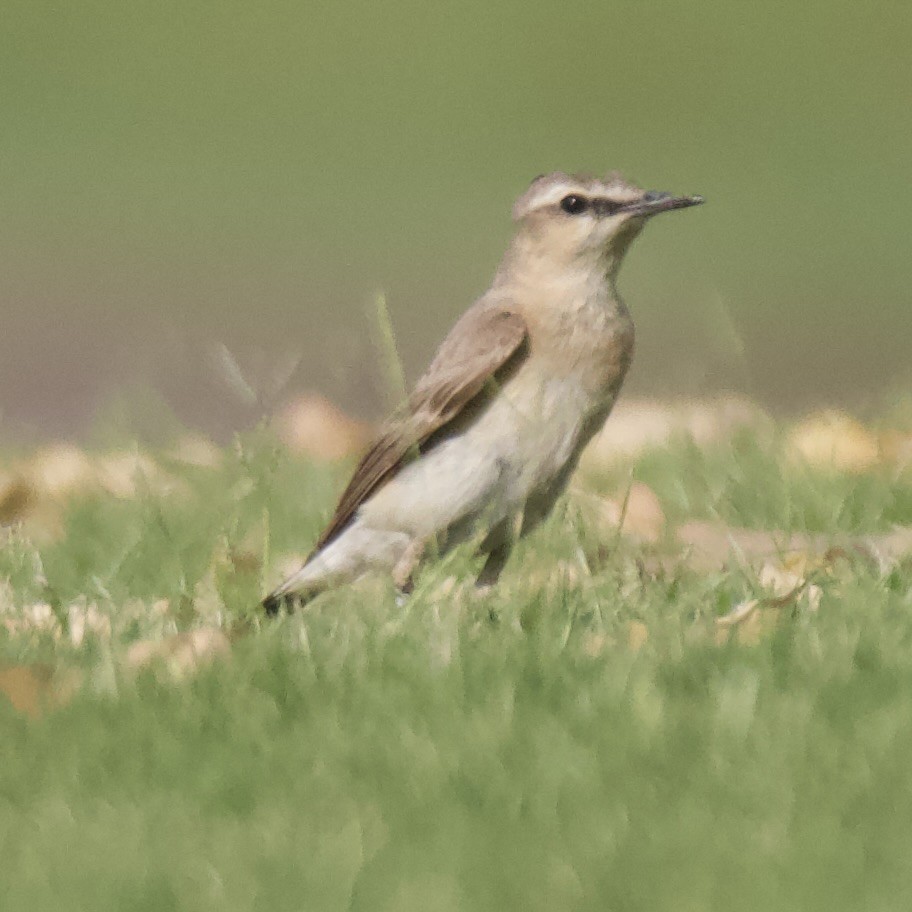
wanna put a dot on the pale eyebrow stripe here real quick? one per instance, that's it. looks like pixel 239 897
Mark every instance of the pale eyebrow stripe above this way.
pixel 556 194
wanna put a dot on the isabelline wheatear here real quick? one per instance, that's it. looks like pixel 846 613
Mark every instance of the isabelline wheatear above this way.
pixel 495 427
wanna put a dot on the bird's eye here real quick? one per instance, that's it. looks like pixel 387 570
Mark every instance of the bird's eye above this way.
pixel 574 205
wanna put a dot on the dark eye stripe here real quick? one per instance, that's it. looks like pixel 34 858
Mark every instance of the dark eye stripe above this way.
pixel 606 206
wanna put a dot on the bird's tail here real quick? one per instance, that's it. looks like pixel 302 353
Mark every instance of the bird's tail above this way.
pixel 274 603
pixel 297 590
pixel 342 560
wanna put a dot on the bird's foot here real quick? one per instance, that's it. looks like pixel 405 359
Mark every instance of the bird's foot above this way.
pixel 404 571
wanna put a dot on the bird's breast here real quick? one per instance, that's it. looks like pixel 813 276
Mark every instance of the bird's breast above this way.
pixel 591 342
pixel 543 419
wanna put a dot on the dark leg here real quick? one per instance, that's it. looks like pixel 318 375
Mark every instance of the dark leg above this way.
pixel 542 501
pixel 498 544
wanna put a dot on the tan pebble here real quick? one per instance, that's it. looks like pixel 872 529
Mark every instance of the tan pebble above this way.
pixel 640 425
pixel 61 470
pixel 835 441
pixel 642 516
pixel 27 687
pixel 125 474
pixel 313 426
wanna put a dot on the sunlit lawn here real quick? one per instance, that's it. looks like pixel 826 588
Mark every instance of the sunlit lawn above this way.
pixel 587 737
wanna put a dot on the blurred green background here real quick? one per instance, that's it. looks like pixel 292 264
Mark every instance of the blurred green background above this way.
pixel 181 175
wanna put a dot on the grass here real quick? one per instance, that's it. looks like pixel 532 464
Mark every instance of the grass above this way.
pixel 521 752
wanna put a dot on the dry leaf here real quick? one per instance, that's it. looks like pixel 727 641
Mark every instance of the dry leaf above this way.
pixel 82 619
pixel 750 630
pixel 780 582
pixel 182 653
pixel 740 613
pixel 37 617
pixel 785 587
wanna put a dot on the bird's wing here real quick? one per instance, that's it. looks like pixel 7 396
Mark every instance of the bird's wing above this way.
pixel 487 342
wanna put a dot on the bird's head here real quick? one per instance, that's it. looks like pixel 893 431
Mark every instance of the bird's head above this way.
pixel 578 219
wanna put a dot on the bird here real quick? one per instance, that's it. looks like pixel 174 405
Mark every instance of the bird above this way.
pixel 486 442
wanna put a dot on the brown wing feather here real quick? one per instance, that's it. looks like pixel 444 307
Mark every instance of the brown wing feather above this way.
pixel 486 341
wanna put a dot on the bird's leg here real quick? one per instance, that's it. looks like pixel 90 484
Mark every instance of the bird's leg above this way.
pixel 404 571
pixel 541 502
pixel 497 544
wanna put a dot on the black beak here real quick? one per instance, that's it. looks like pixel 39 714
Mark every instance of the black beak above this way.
pixel 656 201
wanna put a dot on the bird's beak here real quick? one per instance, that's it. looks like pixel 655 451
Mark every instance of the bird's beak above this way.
pixel 656 201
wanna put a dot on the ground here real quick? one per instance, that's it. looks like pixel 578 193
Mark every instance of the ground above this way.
pixel 680 718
